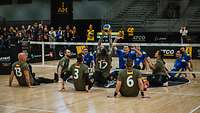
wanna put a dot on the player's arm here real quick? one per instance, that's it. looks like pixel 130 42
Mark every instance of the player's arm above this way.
pixel 27 77
pixel 114 43
pixel 190 64
pixel 118 86
pixel 101 38
pixel 87 79
pixel 141 86
pixel 151 66
pixel 11 78
pixel 137 51
pixel 110 42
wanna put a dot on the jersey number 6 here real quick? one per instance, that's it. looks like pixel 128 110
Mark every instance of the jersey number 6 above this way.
pixel 130 81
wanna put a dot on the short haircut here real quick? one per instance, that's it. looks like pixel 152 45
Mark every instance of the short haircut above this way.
pixel 129 62
pixel 80 57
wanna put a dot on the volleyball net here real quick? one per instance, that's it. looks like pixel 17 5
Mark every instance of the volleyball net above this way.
pixel 46 54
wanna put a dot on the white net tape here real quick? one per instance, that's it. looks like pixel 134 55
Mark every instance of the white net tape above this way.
pixel 195 71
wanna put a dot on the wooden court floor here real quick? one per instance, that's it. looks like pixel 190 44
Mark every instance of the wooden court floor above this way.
pixel 47 99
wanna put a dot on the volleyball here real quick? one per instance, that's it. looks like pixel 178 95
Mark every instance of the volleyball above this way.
pixel 106 27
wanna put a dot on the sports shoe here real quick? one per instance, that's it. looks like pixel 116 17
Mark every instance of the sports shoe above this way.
pixel 111 84
pixel 165 84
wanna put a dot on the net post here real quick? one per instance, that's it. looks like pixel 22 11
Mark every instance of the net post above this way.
pixel 43 53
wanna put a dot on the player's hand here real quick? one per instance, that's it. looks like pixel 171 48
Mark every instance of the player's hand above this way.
pixel 30 86
pixel 148 59
pixel 62 89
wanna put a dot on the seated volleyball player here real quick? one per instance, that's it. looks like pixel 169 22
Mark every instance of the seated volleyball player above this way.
pixel 159 76
pixel 178 65
pixel 129 81
pixel 88 58
pixel 103 61
pixel 139 58
pixel 80 74
pixel 23 73
pixel 124 54
pixel 187 61
pixel 62 68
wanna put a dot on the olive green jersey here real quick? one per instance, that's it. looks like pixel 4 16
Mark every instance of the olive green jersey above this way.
pixel 129 82
pixel 18 68
pixel 159 67
pixel 79 73
pixel 103 63
pixel 64 64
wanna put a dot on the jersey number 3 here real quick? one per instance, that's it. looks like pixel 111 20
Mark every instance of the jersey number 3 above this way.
pixel 76 73
pixel 18 72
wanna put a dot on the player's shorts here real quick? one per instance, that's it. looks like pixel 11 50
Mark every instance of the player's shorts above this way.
pixel 156 80
pixel 101 77
pixel 64 76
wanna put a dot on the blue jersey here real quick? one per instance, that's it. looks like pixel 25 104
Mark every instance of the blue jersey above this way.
pixel 178 65
pixel 185 59
pixel 123 57
pixel 138 59
pixel 88 58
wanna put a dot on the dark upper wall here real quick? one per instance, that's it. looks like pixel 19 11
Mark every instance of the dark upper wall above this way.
pixel 38 10
pixel 90 9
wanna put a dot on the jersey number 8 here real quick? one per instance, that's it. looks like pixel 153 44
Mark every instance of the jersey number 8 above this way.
pixel 18 72
pixel 130 81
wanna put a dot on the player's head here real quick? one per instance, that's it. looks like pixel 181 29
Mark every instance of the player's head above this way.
pixel 103 51
pixel 22 57
pixel 129 64
pixel 80 58
pixel 182 49
pixel 137 47
pixel 85 50
pixel 67 53
pixel 178 54
pixel 126 49
pixel 159 54
pixel 90 27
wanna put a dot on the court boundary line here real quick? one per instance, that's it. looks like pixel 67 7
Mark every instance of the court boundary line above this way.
pixel 173 93
pixel 195 109
pixel 23 108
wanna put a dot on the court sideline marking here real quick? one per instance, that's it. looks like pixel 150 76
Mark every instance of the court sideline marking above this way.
pixel 195 109
pixel 30 109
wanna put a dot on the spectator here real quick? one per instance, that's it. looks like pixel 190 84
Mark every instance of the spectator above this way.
pixel 1 42
pixel 121 35
pixel 52 37
pixel 24 34
pixel 183 32
pixel 90 34
pixel 29 32
pixel 46 37
pixel 68 34
pixel 130 33
pixel 41 32
pixel 35 32
pixel 59 35
pixel 74 33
